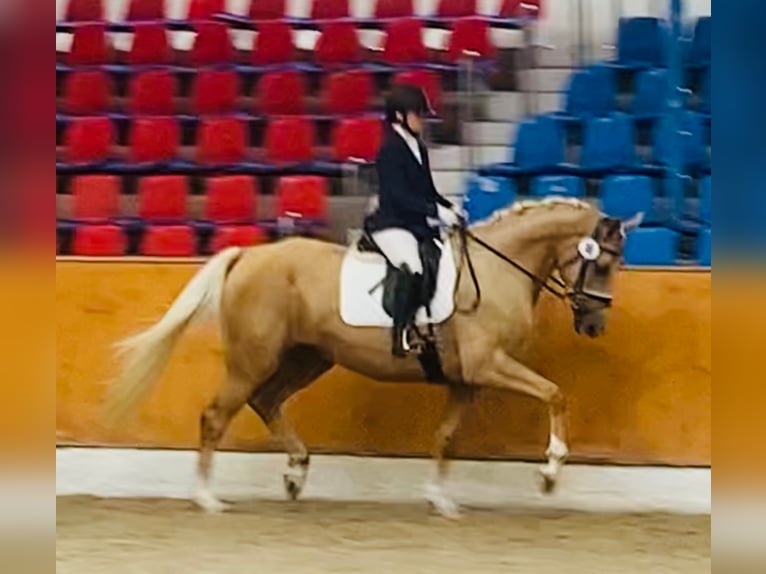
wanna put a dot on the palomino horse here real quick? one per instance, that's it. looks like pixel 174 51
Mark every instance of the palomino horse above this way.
pixel 278 309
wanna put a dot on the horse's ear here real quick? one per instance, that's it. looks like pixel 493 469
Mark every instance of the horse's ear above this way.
pixel 632 223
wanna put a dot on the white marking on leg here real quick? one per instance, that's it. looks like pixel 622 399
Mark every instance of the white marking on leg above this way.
pixel 205 499
pixel 295 476
pixel 441 501
pixel 557 452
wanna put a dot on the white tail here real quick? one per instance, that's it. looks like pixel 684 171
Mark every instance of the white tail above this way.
pixel 145 354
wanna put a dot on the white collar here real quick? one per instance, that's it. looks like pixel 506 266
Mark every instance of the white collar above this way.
pixel 411 141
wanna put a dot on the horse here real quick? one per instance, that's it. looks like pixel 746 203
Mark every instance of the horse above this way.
pixel 278 311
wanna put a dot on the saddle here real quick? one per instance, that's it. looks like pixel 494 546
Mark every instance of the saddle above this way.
pixel 430 256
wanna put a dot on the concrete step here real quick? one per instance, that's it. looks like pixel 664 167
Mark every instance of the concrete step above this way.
pixel 447 157
pixel 490 133
pixel 450 183
pixel 512 106
pixel 503 106
pixel 544 79
pixel 489 154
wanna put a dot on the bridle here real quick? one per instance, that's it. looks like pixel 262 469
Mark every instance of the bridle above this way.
pixel 588 252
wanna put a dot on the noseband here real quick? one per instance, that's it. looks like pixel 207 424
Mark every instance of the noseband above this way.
pixel 587 254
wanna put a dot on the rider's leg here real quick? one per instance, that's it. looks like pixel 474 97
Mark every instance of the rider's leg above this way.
pixel 401 249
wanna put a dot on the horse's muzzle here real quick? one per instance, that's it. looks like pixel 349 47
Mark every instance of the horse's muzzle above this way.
pixel 590 323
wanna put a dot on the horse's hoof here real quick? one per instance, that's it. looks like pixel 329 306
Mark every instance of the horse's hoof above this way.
pixel 293 486
pixel 211 504
pixel 442 504
pixel 548 484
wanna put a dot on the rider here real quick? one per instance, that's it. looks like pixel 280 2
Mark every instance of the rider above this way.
pixel 410 209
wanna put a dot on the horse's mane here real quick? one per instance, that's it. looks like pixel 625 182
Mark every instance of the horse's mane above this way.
pixel 523 207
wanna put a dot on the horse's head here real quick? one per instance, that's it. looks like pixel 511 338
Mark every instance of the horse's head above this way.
pixel 588 266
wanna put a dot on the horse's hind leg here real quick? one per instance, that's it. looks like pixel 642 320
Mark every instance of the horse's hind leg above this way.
pixel 213 424
pixel 299 367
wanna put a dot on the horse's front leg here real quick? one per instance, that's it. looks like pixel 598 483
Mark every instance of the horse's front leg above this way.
pixel 435 493
pixel 504 372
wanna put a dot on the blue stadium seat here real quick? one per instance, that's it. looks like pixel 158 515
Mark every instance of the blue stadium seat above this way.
pixel 485 195
pixel 651 246
pixel 562 185
pixel 590 92
pixel 704 247
pixel 623 196
pixel 641 43
pixel 706 199
pixel 539 149
pixel 609 145
pixel 700 49
pixel 650 93
pixel 693 150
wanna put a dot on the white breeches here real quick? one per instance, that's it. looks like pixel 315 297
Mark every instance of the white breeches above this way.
pixel 400 246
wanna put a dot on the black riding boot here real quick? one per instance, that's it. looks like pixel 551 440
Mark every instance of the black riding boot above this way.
pixel 407 302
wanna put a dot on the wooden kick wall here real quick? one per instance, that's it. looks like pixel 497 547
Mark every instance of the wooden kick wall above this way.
pixel 640 394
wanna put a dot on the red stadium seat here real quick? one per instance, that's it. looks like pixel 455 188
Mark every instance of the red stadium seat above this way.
pixel 87 92
pixel 221 141
pixel 144 10
pixel 96 197
pixel 290 140
pixel 267 9
pixel 168 241
pixel 162 198
pixel 231 199
pixel 273 44
pixel 426 79
pixel 282 93
pixel 89 46
pixel 237 236
pixel 347 92
pixel 456 8
pixel 337 44
pixel 89 140
pixel 154 139
pixel 329 9
pixel 84 10
pixel 153 93
pixel 302 195
pixel 403 42
pixel 215 92
pixel 357 138
pixel 205 9
pixel 521 9
pixel 394 9
pixel 212 45
pixel 98 241
pixel 150 45
pixel 470 34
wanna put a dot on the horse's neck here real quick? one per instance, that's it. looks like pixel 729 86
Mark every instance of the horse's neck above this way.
pixel 533 239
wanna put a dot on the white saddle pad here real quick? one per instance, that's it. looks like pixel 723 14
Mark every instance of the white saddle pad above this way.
pixel 360 272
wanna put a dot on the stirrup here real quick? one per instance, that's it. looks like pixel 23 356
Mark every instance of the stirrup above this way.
pixel 401 346
pixel 405 340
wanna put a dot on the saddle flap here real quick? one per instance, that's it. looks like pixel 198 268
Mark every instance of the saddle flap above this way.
pixel 363 283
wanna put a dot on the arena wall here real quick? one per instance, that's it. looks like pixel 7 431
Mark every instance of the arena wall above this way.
pixel 639 395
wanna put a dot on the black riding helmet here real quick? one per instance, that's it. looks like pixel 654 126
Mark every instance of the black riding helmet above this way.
pixel 405 98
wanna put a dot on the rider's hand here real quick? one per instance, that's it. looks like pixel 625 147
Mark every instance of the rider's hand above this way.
pixel 450 217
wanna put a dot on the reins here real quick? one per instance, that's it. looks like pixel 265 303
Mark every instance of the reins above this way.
pixel 465 258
